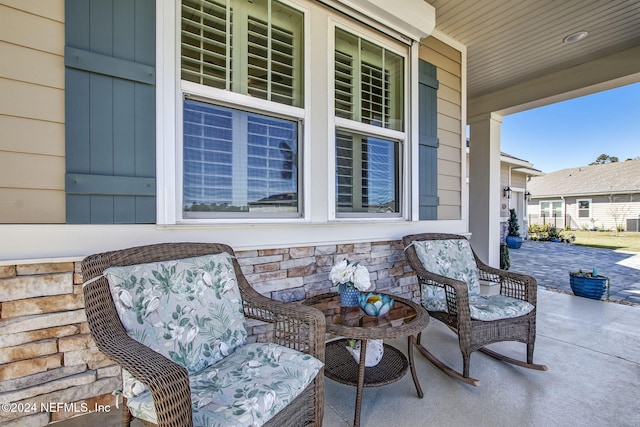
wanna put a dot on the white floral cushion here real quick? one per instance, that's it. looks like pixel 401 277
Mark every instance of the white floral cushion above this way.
pixel 484 307
pixel 131 387
pixel 246 388
pixel 450 258
pixel 433 298
pixel 495 307
pixel 188 310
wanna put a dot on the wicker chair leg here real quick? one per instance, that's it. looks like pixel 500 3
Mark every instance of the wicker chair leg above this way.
pixel 530 353
pixel 126 415
pixel 465 364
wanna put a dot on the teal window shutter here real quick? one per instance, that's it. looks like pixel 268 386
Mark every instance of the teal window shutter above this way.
pixel 428 140
pixel 110 111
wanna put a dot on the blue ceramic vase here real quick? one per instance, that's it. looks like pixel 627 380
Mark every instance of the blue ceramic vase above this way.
pixel 349 295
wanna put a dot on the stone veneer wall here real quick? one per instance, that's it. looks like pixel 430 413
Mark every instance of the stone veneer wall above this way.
pixel 47 356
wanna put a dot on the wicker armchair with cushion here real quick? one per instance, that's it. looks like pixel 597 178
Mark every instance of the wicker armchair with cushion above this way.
pixel 449 274
pixel 173 316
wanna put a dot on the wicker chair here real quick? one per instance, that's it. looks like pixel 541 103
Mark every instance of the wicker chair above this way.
pixel 455 312
pixel 295 326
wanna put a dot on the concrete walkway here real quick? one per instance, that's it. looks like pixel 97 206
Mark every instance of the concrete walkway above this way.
pixel 550 263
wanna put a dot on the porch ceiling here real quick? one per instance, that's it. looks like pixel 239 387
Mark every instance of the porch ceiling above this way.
pixel 516 55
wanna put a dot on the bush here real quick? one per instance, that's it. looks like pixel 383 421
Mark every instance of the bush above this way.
pixel 514 228
pixel 505 262
pixel 544 233
pixel 539 232
pixel 555 233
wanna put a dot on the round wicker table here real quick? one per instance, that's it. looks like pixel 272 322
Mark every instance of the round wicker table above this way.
pixel 405 318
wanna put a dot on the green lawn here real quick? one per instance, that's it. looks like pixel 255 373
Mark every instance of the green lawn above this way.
pixel 627 241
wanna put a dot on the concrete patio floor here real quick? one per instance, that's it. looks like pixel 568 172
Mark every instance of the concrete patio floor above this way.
pixel 591 349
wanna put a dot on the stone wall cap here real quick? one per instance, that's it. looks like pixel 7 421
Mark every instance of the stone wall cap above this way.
pixel 4 262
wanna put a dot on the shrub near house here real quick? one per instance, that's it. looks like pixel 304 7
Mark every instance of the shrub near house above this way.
pixel 547 233
pixel 514 241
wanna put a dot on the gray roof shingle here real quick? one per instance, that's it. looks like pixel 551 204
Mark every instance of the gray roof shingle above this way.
pixel 618 177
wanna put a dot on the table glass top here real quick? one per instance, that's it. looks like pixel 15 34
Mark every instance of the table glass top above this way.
pixel 400 314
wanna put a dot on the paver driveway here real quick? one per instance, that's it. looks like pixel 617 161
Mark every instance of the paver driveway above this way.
pixel 550 263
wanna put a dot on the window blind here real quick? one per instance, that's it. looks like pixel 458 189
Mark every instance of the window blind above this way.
pixel 271 62
pixel 344 172
pixel 375 95
pixel 344 75
pixel 237 161
pixel 368 82
pixel 255 51
pixel 207 43
pixel 366 174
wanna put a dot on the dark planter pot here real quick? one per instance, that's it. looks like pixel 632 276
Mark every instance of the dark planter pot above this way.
pixel 589 287
pixel 514 242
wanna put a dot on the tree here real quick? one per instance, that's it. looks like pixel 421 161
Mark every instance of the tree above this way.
pixel 603 159
pixel 514 227
pixel 619 211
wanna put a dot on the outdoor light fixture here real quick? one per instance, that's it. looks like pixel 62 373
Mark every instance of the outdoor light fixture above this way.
pixel 528 196
pixel 575 37
pixel 507 192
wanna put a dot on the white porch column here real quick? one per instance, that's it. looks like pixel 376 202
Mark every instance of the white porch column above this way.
pixel 484 186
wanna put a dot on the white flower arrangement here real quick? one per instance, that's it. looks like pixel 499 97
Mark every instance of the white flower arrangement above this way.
pixel 352 275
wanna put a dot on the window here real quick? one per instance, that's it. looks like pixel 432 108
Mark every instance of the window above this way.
pixel 232 101
pixel 367 176
pixel 369 136
pixel 248 129
pixel 584 208
pixel 237 161
pixel 239 158
pixel 252 48
pixel 551 209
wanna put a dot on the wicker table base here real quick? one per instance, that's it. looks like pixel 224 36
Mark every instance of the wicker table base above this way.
pixel 341 366
pixel 405 319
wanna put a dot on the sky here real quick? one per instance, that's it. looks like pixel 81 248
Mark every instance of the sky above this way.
pixel 574 133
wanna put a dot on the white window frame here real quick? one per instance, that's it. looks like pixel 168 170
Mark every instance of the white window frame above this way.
pixel 578 217
pixel 169 94
pixel 170 91
pixel 402 137
pixel 551 202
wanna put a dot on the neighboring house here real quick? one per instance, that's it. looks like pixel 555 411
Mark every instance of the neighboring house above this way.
pixel 299 132
pixel 514 176
pixel 605 196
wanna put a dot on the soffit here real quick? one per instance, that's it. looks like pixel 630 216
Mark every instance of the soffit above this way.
pixel 512 42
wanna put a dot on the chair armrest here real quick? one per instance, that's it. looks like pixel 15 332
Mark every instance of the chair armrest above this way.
pixel 515 285
pixel 295 326
pixel 456 292
pixel 167 381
